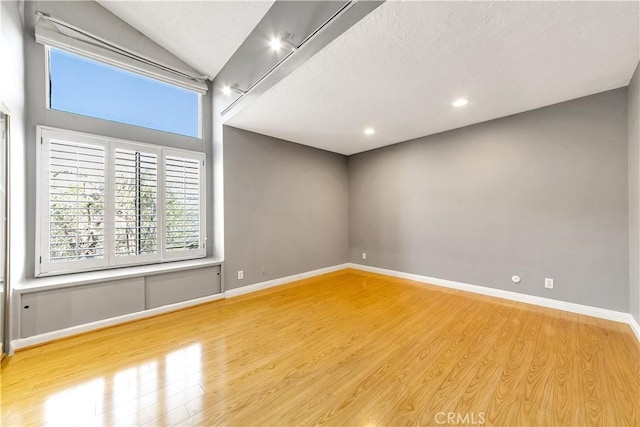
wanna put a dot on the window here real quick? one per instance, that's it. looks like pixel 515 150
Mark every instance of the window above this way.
pixel 106 203
pixel 83 86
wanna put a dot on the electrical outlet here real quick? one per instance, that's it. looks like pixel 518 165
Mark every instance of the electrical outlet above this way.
pixel 240 275
pixel 364 255
pixel 548 283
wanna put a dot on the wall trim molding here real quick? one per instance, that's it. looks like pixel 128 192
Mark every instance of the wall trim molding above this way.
pixel 282 280
pixel 34 340
pixel 602 313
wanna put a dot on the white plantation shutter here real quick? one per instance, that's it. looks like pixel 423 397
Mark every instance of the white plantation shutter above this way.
pixel 75 203
pixel 183 199
pixel 106 203
pixel 135 207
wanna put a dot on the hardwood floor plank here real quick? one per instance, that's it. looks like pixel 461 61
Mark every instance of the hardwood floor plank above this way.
pixel 346 348
pixel 564 387
pixel 624 374
pixel 453 387
pixel 446 377
pixel 536 396
pixel 621 387
pixel 476 397
pixel 592 383
pixel 504 400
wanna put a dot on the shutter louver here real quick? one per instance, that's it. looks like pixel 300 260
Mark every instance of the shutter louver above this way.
pixel 182 204
pixel 76 201
pixel 135 203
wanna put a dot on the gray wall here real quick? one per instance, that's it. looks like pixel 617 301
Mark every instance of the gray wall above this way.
pixel 634 194
pixel 286 208
pixel 538 194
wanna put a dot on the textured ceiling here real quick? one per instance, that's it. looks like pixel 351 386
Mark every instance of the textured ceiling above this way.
pixel 204 34
pixel 399 69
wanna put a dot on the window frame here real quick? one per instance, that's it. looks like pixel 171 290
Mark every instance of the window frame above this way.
pixel 43 267
pixel 47 95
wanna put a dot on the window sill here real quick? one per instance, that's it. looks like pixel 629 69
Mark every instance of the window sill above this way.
pixel 78 279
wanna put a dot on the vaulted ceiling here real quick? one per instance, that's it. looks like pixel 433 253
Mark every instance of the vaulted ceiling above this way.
pixel 399 68
pixel 204 34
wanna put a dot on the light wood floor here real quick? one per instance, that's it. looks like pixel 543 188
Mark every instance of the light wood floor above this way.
pixel 348 348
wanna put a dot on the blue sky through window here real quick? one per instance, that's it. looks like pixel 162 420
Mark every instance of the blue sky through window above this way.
pixel 90 88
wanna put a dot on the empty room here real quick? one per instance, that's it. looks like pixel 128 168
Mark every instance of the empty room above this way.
pixel 340 213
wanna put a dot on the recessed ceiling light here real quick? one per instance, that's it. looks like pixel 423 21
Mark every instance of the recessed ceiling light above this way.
pixel 369 131
pixel 226 90
pixel 460 102
pixel 275 43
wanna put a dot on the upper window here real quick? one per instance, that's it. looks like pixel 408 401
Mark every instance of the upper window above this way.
pixel 105 203
pixel 84 86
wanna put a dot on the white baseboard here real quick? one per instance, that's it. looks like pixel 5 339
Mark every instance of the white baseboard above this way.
pixel 498 293
pixel 616 316
pixel 75 330
pixel 282 281
pixel 635 327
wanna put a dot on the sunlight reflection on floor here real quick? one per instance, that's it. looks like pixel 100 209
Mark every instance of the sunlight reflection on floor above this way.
pixel 135 395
